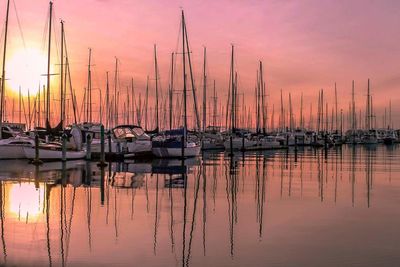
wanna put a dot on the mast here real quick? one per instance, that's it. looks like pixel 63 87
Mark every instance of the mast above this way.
pixel 336 110
pixel 146 103
pixel 133 102
pixel 156 74
pixel 204 91
pixel 48 66
pixel 368 111
pixel 301 112
pixel 39 108
pixel 353 110
pixel 19 106
pixel 89 90
pixel 282 120
pixel 257 94
pixel 115 93
pixel 390 115
pixel 184 80
pixel 310 121
pixel 319 112
pixel 184 32
pixel 273 118
pixel 3 73
pixel 107 103
pixel 322 110
pixel 171 89
pixel 215 107
pixel 290 113
pixel 262 88
pixel 62 98
pixel 236 100
pixel 29 110
pixel 233 91
pixel 128 106
pixel 67 70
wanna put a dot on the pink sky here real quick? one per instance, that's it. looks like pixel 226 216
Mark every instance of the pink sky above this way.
pixel 305 45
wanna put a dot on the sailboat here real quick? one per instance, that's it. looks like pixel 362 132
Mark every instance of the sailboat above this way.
pixel 211 138
pixel 12 137
pixel 370 136
pixel 235 140
pixel 175 143
pixel 52 150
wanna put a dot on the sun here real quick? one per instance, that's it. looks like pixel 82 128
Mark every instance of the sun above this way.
pixel 25 69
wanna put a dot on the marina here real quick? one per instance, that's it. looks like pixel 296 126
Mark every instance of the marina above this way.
pixel 147 134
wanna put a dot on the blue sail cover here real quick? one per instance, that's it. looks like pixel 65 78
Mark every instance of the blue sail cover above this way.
pixel 175 132
pixel 168 143
pixel 173 139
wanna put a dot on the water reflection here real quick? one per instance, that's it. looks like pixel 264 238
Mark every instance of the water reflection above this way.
pixel 216 210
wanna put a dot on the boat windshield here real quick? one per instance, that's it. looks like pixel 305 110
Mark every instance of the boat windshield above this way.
pixel 138 131
pixel 123 132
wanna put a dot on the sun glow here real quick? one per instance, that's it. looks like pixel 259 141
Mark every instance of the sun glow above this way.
pixel 25 69
pixel 25 200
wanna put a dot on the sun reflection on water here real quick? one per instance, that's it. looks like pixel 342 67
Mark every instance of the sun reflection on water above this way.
pixel 25 201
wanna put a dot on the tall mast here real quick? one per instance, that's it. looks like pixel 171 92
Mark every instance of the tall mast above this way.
pixel 204 90
pixel 262 88
pixel 233 91
pixel 390 115
pixel 128 106
pixel 184 79
pixel 319 112
pixel 273 118
pixel 156 74
pixel 368 111
pixel 282 122
pixel 215 107
pixel 258 104
pixel 107 103
pixel 19 106
pixel 48 66
pixel 301 112
pixel 290 113
pixel 67 70
pixel 115 93
pixel 133 102
pixel 89 90
pixel 336 110
pixel 3 73
pixel 171 90
pixel 146 101
pixel 39 108
pixel 322 109
pixel 184 31
pixel 353 110
pixel 62 106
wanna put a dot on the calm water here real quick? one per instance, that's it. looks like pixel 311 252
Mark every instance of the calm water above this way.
pixel 269 209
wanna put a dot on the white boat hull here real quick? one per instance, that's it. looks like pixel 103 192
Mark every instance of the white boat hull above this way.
pixel 48 154
pixel 12 152
pixel 165 152
pixel 13 148
pixel 237 143
pixel 212 145
pixel 265 145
